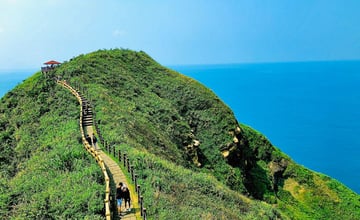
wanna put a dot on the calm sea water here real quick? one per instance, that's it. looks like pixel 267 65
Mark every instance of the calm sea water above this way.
pixel 310 110
pixel 9 79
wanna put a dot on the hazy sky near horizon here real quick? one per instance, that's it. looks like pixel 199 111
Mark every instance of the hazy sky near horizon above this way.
pixel 180 32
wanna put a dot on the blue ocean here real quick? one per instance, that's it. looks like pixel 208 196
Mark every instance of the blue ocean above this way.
pixel 10 78
pixel 310 110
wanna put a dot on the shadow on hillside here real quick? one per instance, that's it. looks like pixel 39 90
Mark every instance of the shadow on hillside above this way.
pixel 257 182
pixel 113 205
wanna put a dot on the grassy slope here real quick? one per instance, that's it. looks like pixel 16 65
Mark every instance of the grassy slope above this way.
pixel 158 111
pixel 45 173
pixel 154 113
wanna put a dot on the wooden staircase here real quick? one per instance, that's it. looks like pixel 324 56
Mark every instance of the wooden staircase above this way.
pixel 87 111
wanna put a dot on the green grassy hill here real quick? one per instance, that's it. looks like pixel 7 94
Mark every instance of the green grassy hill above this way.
pixel 195 160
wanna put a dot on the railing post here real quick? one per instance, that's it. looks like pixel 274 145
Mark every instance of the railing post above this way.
pixel 138 192
pixel 135 181
pixel 119 155
pixel 132 172
pixel 128 164
pixel 144 213
pixel 141 206
pixel 124 160
pixel 114 153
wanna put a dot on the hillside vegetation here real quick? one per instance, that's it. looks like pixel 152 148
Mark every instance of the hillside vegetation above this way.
pixel 195 160
pixel 45 172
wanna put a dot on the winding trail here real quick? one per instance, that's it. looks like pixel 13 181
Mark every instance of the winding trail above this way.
pixel 113 172
pixel 117 177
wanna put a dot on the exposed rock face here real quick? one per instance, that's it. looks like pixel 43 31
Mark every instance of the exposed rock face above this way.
pixel 191 149
pixel 240 153
pixel 233 148
pixel 277 169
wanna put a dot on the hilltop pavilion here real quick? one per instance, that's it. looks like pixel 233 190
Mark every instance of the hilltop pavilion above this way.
pixel 50 65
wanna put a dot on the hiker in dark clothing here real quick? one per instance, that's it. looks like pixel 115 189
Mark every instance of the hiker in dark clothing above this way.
pixel 88 139
pixel 119 196
pixel 126 194
pixel 94 141
pixel 123 194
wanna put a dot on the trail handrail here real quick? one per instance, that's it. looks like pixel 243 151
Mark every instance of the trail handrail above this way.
pixel 111 151
pixel 93 152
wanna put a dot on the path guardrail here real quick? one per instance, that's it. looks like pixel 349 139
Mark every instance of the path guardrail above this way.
pixel 127 164
pixel 122 157
pixel 94 153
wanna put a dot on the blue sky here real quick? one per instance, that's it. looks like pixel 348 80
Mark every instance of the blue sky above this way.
pixel 180 32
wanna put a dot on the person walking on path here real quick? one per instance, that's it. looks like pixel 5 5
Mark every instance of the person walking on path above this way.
pixel 119 197
pixel 94 141
pixel 126 195
pixel 88 139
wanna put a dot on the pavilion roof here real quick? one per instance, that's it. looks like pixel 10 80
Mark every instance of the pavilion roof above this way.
pixel 51 62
